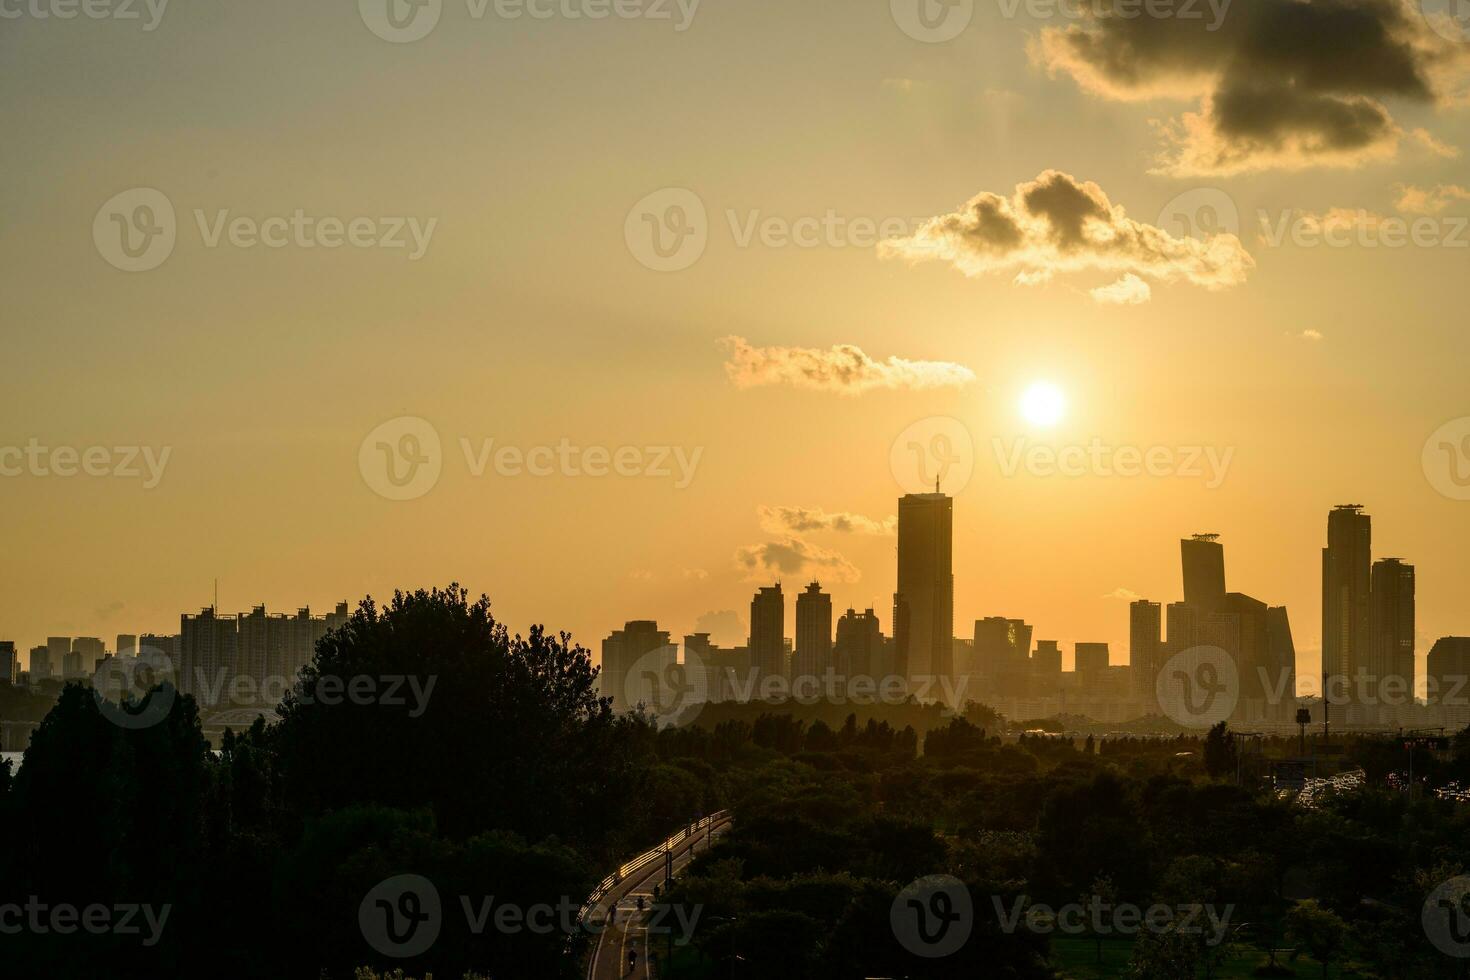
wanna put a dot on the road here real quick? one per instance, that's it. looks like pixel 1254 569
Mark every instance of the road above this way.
pixel 628 930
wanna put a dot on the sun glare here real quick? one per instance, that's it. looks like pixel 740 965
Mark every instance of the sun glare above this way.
pixel 1043 404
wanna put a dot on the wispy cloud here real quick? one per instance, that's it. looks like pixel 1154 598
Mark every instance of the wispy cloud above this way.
pixel 1128 291
pixel 1418 200
pixel 1057 223
pixel 844 369
pixel 1127 595
pixel 800 520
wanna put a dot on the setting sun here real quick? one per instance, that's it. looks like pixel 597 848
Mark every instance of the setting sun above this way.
pixel 1043 404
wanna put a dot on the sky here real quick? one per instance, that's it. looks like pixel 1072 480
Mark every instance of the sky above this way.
pixel 748 255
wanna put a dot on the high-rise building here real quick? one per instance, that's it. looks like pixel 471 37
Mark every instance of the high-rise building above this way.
pixel 9 663
pixel 88 652
pixel 57 647
pixel 1346 585
pixel 1046 669
pixel 726 670
pixel 923 606
pixel 813 633
pixel 1090 657
pixel 1391 616
pixel 265 647
pixel 1002 647
pixel 127 645
pixel 859 649
pixel 208 658
pixel 1447 675
pixel 626 676
pixel 40 664
pixel 1145 646
pixel 768 634
pixel 1203 558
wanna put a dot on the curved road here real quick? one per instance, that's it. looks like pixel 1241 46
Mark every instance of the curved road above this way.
pixel 628 928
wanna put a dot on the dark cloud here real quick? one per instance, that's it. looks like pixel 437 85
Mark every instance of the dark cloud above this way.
pixel 1281 83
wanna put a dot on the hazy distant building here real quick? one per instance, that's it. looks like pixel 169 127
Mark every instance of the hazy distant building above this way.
pixel 859 651
pixel 923 606
pixel 627 677
pixel 127 645
pixel 88 651
pixel 726 670
pixel 40 664
pixel 1447 673
pixel 813 632
pixel 153 644
pixel 9 663
pixel 1145 646
pixel 1002 648
pixel 1090 657
pixel 208 656
pixel 1046 668
pixel 768 634
pixel 1203 558
pixel 57 647
pixel 1391 618
pixel 1346 584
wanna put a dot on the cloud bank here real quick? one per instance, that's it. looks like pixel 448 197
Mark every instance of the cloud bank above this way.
pixel 1280 85
pixel 792 556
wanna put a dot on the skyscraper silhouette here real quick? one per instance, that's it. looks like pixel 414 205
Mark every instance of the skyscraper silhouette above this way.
pixel 767 633
pixel 1345 590
pixel 1145 645
pixel 1204 571
pixel 813 632
pixel 1391 667
pixel 923 606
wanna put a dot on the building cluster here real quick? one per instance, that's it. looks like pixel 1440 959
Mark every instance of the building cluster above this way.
pixel 1368 630
pixel 218 659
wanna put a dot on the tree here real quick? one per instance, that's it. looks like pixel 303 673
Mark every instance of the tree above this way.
pixel 1106 896
pixel 1221 754
pixel 1319 930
